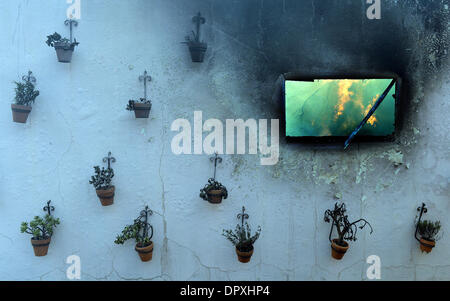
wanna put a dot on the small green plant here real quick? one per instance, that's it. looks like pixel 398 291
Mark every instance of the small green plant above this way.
pixel 429 229
pixel 25 92
pixel 130 105
pixel 139 231
pixel 213 185
pixel 56 39
pixel 345 229
pixel 102 178
pixel 242 237
pixel 40 228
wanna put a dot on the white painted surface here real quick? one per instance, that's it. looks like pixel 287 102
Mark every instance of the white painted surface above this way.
pixel 80 115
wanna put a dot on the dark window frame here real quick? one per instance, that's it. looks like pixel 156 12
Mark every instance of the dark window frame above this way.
pixel 298 76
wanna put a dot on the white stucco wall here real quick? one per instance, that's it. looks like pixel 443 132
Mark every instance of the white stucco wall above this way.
pixel 80 115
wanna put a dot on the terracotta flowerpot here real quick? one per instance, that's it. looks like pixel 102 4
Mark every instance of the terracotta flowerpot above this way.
pixel 197 52
pixel 244 257
pixel 64 52
pixel 337 251
pixel 215 196
pixel 142 110
pixel 426 245
pixel 40 247
pixel 106 196
pixel 145 253
pixel 20 113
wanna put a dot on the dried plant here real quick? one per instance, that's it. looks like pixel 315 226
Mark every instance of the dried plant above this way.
pixel 346 230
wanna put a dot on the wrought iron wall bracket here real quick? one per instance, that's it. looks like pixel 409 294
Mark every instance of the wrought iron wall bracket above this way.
pixel 243 216
pixel 423 209
pixel 110 159
pixel 71 23
pixel 29 78
pixel 144 78
pixel 216 159
pixel 48 208
pixel 143 218
pixel 198 20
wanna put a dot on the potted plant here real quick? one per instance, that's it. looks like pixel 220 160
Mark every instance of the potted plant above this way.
pixel 242 238
pixel 346 230
pixel 141 108
pixel 102 182
pixel 25 96
pixel 197 48
pixel 41 229
pixel 213 192
pixel 142 232
pixel 64 47
pixel 428 231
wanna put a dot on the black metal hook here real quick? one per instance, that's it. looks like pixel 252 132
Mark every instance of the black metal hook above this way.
pixel 145 77
pixel 423 209
pixel 143 217
pixel 29 78
pixel 215 159
pixel 243 216
pixel 49 208
pixel 109 159
pixel 71 22
pixel 198 19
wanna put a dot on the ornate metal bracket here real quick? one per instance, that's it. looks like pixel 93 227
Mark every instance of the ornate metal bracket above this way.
pixel 145 77
pixel 243 216
pixel 143 217
pixel 29 78
pixel 198 20
pixel 109 159
pixel 49 208
pixel 215 159
pixel 71 23
pixel 423 209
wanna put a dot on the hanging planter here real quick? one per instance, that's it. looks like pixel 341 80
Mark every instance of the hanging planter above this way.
pixel 242 238
pixel 142 232
pixel 427 230
pixel 214 191
pixel 102 182
pixel 346 230
pixel 141 108
pixel 64 47
pixel 25 95
pixel 41 230
pixel 197 48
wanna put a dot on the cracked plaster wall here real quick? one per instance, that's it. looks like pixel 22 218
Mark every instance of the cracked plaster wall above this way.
pixel 80 115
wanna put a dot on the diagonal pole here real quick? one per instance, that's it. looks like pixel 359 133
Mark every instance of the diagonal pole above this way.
pixel 372 110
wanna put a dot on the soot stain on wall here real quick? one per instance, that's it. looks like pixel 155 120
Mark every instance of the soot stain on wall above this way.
pixel 266 38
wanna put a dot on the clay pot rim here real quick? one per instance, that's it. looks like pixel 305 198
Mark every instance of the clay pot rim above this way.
pixel 334 242
pixel 144 250
pixel 34 239
pixel 252 249
pixel 112 187
pixel 215 191
pixel 22 107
